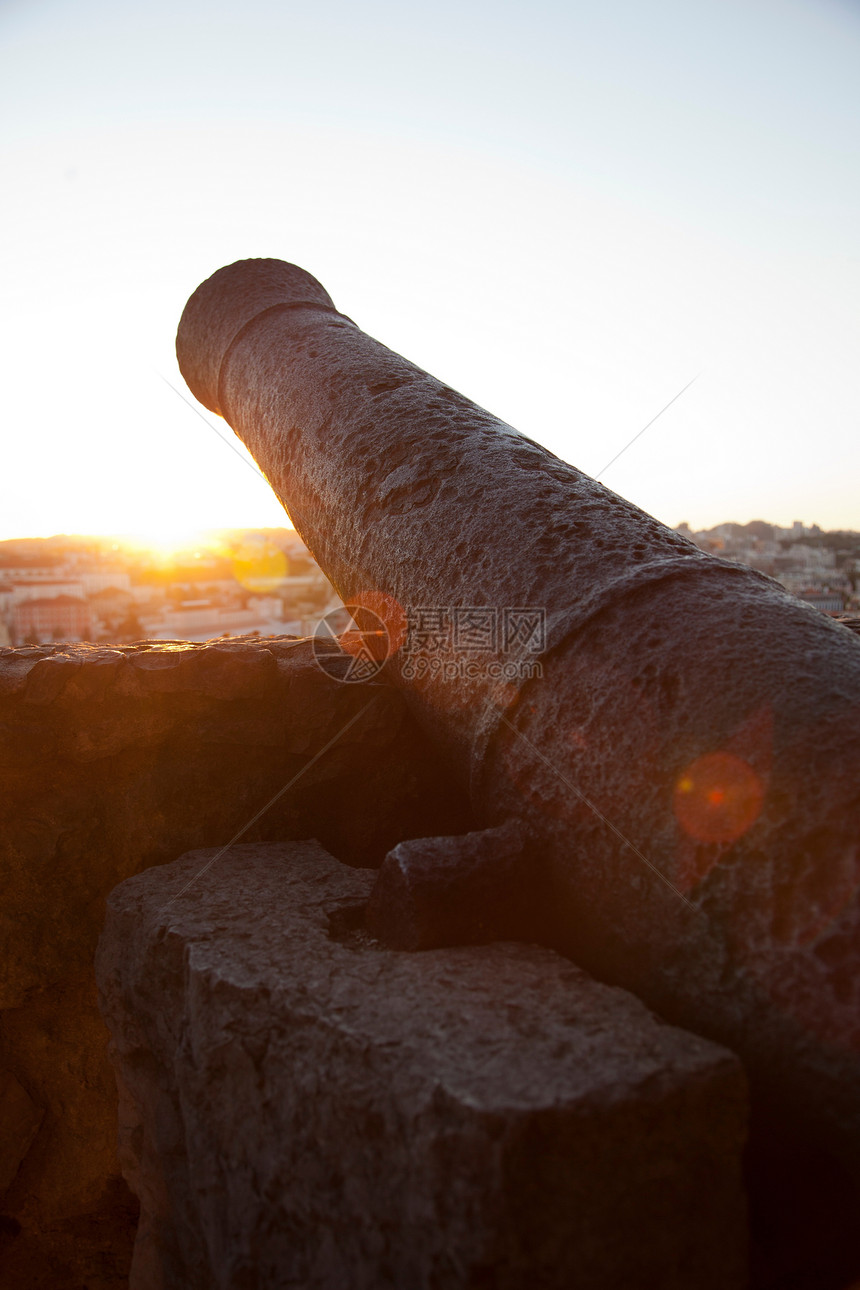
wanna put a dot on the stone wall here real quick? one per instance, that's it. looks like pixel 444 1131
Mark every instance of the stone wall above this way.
pixel 116 759
pixel 605 1149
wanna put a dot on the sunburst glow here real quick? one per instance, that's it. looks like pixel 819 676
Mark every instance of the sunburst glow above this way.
pixel 166 543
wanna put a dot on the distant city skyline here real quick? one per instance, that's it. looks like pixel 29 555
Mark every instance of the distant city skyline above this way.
pixel 238 581
pixel 212 538
pixel 565 211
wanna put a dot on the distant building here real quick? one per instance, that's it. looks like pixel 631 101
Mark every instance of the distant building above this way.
pixel 64 618
pixel 829 602
pixel 112 579
pixel 111 603
pixel 34 589
pixel 200 621
pixel 6 599
pixel 31 572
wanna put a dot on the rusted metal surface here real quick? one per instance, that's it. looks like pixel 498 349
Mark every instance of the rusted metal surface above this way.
pixel 686 761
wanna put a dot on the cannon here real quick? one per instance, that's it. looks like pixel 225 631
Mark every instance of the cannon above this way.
pixel 661 747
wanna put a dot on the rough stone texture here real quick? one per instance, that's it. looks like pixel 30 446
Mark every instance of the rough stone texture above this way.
pixel 115 759
pixel 90 1251
pixel 20 1118
pixel 305 1108
pixel 688 764
pixel 464 890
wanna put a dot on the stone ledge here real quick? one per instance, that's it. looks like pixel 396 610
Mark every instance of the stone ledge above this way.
pixel 304 1108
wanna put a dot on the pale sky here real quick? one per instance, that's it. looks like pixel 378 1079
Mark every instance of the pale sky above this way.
pixel 566 211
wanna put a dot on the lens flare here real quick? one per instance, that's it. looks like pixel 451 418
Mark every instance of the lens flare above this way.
pixel 380 620
pixel 718 797
pixel 258 565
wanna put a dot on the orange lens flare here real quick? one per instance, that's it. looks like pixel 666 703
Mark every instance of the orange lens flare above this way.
pixel 381 624
pixel 718 797
pixel 259 566
pixel 371 643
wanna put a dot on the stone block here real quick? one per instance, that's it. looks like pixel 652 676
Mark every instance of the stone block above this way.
pixel 305 1108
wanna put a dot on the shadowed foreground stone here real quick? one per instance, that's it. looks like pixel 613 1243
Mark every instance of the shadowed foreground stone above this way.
pixel 464 890
pixel 113 759
pixel 20 1118
pixel 305 1108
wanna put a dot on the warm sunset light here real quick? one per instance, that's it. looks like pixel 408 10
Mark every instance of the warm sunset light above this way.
pixel 532 958
pixel 166 543
pixel 257 563
pixel 569 255
pixel 381 615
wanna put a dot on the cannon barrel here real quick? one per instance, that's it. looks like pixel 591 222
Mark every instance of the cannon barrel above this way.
pixel 677 735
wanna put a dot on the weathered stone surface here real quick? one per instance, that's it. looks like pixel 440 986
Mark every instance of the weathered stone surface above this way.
pixel 90 1251
pixel 464 890
pixel 115 759
pixel 20 1118
pixel 688 760
pixel 57 1042
pixel 305 1108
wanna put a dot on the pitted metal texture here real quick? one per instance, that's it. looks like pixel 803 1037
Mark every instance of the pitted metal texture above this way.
pixel 686 760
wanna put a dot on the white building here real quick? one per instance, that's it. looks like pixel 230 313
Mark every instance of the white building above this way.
pixel 202 622
pixel 34 573
pixel 37 589
pixel 92 582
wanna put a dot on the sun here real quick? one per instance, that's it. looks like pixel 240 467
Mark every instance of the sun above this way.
pixel 166 541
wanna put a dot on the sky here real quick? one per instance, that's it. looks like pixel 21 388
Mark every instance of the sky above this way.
pixel 566 211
